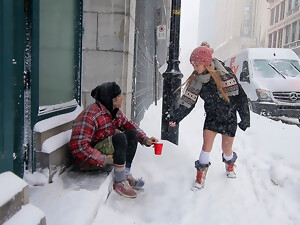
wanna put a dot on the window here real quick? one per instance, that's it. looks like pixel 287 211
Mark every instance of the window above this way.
pixel 287 33
pixel 277 14
pixel 244 75
pixel 299 30
pixel 276 68
pixel 263 69
pixel 272 16
pixel 282 10
pixel 290 5
pixel 279 43
pixel 288 68
pixel 247 13
pixel 294 30
pixel 270 41
pixel 58 54
pixel 246 28
pixel 274 39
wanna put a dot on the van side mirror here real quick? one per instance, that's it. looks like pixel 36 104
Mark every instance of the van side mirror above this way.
pixel 244 77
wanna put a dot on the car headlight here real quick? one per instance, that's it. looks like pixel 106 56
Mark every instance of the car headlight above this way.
pixel 263 95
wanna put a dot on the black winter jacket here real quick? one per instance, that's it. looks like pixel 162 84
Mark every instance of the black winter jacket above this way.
pixel 220 115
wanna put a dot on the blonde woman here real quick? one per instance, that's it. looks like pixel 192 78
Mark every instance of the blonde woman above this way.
pixel 223 98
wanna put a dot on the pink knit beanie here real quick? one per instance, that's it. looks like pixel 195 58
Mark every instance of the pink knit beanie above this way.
pixel 202 55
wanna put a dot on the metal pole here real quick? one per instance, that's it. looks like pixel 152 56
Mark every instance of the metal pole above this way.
pixel 172 77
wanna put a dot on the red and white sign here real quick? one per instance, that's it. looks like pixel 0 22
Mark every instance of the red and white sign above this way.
pixel 161 32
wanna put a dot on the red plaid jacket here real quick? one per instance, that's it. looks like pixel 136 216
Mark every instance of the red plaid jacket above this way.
pixel 93 125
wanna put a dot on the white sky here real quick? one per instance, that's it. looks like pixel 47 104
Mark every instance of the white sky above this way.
pixel 188 32
pixel 197 23
pixel 207 20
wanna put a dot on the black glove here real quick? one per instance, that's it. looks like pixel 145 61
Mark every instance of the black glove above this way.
pixel 243 125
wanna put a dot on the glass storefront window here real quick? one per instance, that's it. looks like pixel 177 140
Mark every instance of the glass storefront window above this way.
pixel 57 53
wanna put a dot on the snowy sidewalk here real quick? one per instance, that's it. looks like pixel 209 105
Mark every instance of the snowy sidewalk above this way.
pixel 266 190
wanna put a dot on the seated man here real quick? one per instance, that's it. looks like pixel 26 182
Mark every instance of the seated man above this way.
pixel 103 135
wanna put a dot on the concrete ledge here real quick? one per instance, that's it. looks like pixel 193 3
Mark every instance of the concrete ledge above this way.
pixel 103 193
pixel 14 194
pixel 57 160
pixel 41 137
pixel 55 154
pixel 37 217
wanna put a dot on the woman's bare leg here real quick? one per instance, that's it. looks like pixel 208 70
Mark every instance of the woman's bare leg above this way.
pixel 208 140
pixel 227 143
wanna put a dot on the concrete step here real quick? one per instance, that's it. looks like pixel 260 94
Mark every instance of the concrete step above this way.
pixel 14 202
pixel 55 154
pixel 14 194
pixel 51 142
pixel 28 215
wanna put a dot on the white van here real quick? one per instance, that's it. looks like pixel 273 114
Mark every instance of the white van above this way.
pixel 271 80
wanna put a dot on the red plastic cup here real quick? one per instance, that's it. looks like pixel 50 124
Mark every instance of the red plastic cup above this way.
pixel 158 148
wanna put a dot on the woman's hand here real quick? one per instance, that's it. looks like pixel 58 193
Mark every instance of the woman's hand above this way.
pixel 172 124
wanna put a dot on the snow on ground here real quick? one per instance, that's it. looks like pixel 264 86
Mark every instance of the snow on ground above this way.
pixel 266 190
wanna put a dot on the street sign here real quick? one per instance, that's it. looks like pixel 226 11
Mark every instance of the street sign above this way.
pixel 161 32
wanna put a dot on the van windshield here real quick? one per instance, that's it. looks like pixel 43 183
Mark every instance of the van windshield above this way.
pixel 273 68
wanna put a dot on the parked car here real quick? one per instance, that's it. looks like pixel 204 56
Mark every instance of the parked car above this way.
pixel 270 78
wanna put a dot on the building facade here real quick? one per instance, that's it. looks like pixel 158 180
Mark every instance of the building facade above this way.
pixel 53 53
pixel 239 25
pixel 120 44
pixel 284 25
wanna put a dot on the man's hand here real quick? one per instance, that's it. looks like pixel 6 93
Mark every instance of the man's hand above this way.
pixel 109 159
pixel 151 141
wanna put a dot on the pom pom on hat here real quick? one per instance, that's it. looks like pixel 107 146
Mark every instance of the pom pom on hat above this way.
pixel 202 55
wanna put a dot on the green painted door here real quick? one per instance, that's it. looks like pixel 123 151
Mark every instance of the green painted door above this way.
pixel 12 37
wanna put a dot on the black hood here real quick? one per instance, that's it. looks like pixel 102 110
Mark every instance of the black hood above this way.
pixel 104 93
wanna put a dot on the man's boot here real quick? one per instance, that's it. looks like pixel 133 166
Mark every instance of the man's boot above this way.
pixel 201 175
pixel 121 184
pixel 135 183
pixel 229 166
pixel 123 188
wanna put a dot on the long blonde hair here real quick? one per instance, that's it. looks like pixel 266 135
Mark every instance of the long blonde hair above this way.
pixel 214 75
